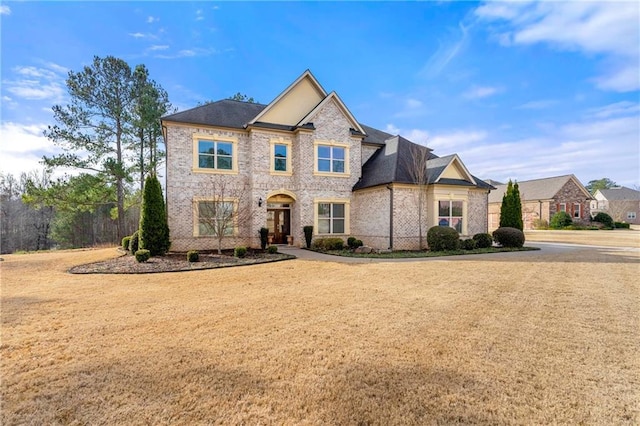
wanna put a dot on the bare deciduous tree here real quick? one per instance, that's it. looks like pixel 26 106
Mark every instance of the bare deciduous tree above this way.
pixel 417 168
pixel 224 210
pixel 618 209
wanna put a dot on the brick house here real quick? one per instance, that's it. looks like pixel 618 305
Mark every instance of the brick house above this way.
pixel 303 159
pixel 542 198
pixel 621 203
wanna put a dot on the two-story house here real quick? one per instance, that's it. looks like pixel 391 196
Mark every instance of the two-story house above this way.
pixel 621 203
pixel 304 159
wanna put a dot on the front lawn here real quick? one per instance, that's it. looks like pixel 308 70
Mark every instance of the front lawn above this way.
pixel 402 254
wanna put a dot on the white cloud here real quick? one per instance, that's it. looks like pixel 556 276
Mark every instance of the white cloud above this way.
pixel 138 35
pixel 446 52
pixel 413 103
pixel 199 15
pixel 152 19
pixel 5 10
pixel 23 147
pixel 187 53
pixel 615 109
pixel 606 28
pixel 159 47
pixel 37 83
pixel 479 92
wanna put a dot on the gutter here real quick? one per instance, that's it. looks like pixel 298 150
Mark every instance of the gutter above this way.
pixel 390 188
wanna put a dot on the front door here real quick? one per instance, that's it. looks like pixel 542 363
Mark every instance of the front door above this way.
pixel 278 222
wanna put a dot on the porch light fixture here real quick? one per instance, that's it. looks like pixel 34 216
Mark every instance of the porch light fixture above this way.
pixel 260 202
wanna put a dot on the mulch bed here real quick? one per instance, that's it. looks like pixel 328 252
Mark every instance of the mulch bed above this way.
pixel 174 262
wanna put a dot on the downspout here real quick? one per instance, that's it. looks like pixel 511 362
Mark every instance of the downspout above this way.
pixel 390 188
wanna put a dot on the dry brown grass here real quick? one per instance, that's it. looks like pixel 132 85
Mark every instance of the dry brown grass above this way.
pixel 494 340
pixel 617 238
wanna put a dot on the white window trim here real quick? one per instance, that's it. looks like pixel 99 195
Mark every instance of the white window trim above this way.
pixel 272 157
pixel 331 143
pixel 631 215
pixel 563 207
pixel 215 138
pixel 463 217
pixel 347 214
pixel 579 210
pixel 196 215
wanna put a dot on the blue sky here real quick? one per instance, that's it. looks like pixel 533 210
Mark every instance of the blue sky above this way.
pixel 518 90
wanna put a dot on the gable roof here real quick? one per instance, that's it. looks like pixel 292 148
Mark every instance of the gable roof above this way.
pixel 332 96
pixel 393 162
pixel 306 79
pixel 620 193
pixel 223 113
pixel 538 189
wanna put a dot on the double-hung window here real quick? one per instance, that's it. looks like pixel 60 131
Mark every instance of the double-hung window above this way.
pixel 280 157
pixel 215 218
pixel 213 154
pixel 331 218
pixel 331 158
pixel 450 213
pixel 576 211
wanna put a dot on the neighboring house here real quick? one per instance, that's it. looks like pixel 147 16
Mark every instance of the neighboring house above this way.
pixel 304 160
pixel 542 198
pixel 621 203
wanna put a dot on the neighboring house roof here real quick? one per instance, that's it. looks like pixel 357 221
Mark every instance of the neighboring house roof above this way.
pixel 393 163
pixel 493 182
pixel 538 189
pixel 620 193
pixel 223 113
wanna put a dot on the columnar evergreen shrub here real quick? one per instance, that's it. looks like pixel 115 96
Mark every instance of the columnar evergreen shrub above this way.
pixel 264 237
pixel 308 234
pixel 442 238
pixel 154 230
pixel 193 256
pixel 483 240
pixel 560 220
pixel 511 207
pixel 240 251
pixel 509 237
pixel 125 242
pixel 143 255
pixel 133 243
pixel 604 219
pixel 329 243
pixel 272 249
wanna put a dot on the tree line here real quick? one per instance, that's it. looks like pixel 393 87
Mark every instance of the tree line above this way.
pixel 109 132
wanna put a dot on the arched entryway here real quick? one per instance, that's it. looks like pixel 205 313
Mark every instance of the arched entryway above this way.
pixel 279 205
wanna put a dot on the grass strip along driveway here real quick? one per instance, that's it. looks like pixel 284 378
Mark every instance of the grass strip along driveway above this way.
pixel 500 340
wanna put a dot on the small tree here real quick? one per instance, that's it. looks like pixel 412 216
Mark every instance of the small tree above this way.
pixel 154 230
pixel 511 208
pixel 560 220
pixel 417 168
pixel 224 210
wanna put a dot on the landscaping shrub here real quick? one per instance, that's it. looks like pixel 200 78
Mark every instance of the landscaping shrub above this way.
pixel 193 256
pixel 442 238
pixel 142 255
pixel 350 241
pixel 622 225
pixel 264 238
pixel 240 251
pixel 154 230
pixel 125 242
pixel 483 240
pixel 540 224
pixel 133 243
pixel 272 249
pixel 469 244
pixel 354 243
pixel 326 244
pixel 357 243
pixel 511 207
pixel 560 220
pixel 604 219
pixel 509 237
pixel 308 235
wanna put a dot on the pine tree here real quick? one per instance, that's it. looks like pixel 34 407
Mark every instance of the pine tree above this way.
pixel 154 230
pixel 511 208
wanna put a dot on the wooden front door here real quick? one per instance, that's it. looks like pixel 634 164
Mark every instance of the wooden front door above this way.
pixel 279 224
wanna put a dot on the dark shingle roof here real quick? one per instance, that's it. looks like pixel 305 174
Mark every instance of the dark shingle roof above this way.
pixel 224 113
pixel 620 193
pixel 375 136
pixel 393 162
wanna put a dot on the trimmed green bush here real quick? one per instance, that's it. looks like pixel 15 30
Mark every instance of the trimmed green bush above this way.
pixel 469 244
pixel 357 243
pixel 604 219
pixel 272 249
pixel 154 230
pixel 240 252
pixel 350 241
pixel 125 242
pixel 483 240
pixel 622 225
pixel 308 235
pixel 133 243
pixel 329 243
pixel 143 255
pixel 442 238
pixel 560 220
pixel 264 237
pixel 509 237
pixel 193 256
